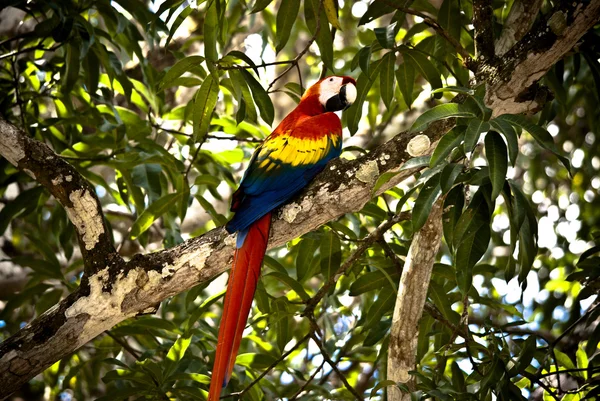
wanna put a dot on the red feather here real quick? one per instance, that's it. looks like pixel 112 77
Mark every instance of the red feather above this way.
pixel 238 300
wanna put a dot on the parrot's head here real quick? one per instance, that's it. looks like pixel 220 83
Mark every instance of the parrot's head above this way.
pixel 333 93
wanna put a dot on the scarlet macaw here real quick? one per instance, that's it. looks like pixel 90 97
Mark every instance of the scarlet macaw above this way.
pixel 288 159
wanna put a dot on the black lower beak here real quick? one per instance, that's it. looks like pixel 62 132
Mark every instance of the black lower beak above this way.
pixel 338 102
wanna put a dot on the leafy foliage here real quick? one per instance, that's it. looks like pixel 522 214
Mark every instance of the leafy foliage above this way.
pixel 162 123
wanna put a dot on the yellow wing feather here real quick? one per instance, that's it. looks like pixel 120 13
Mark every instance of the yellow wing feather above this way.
pixel 295 151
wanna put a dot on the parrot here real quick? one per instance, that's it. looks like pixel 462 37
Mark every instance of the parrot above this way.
pixel 286 161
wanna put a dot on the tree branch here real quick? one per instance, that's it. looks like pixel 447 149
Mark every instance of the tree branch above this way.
pixel 520 18
pixel 73 191
pixel 510 79
pixel 410 301
pixel 483 14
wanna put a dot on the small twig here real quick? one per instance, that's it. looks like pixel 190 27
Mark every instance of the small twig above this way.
pixel 37 47
pixel 209 136
pixel 270 368
pixel 248 67
pixel 436 27
pixel 589 369
pixel 310 379
pixel 326 356
pixel 389 252
pixel 134 353
pixel 535 379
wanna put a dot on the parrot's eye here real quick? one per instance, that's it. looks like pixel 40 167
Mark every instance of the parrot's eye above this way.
pixel 330 79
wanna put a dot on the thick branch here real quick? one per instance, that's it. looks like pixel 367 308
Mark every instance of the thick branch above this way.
pixel 510 79
pixel 65 183
pixel 520 18
pixel 410 301
pixel 484 31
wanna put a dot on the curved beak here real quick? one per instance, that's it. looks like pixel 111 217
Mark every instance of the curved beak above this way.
pixel 343 99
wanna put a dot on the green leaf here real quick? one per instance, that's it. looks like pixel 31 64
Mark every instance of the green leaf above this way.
pixel 154 323
pixel 430 192
pixel 520 206
pixel 26 200
pixel 528 247
pixel 178 349
pixel 153 212
pixel 474 130
pixel 449 175
pixel 291 283
pixel 405 75
pixel 147 176
pixel 181 67
pixel 282 323
pixel 497 157
pixel 206 179
pixel 72 66
pixel 245 58
pixel 450 20
pixel 511 138
pixel 375 10
pixel 453 206
pixel 260 5
pixel 440 112
pixel 306 261
pixel 331 11
pixel 443 302
pixel 384 303
pixel 563 360
pixel 446 144
pixel 386 36
pixel 386 78
pixel 364 58
pixel 247 101
pixel 468 253
pixel 211 32
pixel 380 385
pixel 582 363
pixel 92 72
pixel 286 17
pixel 416 162
pixel 542 136
pixel 424 66
pixel 331 254
pixel 471 238
pixel 458 378
pixel 204 104
pixel 363 84
pixel 210 209
pixel 324 39
pixel 524 360
pixel 457 89
pixel 374 281
pixel 261 97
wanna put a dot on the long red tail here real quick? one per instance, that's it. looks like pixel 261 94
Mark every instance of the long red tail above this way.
pixel 238 299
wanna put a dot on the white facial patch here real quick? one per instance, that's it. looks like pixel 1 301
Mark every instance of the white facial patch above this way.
pixel 350 93
pixel 329 88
